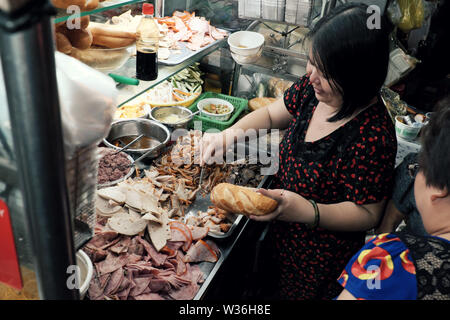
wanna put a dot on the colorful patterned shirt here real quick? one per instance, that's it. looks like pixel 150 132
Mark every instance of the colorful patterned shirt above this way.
pixel 381 270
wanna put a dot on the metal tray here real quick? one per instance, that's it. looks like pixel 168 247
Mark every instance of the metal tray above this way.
pixel 185 54
pixel 210 269
pixel 202 203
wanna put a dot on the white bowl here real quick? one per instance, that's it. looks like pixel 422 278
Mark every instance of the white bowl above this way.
pixel 245 43
pixel 217 117
pixel 240 59
pixel 86 272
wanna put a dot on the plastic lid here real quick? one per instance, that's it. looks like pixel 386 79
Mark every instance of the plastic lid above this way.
pixel 147 9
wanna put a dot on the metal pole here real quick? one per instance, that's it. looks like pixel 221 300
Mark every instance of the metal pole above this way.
pixel 27 50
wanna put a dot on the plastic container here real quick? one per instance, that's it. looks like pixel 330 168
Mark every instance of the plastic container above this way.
pixel 86 272
pixel 239 105
pixel 405 131
pixel 147 44
pixel 218 117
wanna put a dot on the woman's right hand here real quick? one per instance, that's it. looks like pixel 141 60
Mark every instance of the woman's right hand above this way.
pixel 213 145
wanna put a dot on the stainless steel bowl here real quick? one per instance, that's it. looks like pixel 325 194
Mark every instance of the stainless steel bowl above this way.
pixel 158 113
pixel 136 127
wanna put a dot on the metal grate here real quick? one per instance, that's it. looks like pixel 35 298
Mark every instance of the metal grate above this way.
pixel 81 175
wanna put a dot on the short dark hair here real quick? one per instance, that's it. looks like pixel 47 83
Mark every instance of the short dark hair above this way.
pixel 434 156
pixel 352 57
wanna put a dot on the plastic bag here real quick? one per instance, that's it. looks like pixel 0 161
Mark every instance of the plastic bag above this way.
pixel 412 14
pixel 87 102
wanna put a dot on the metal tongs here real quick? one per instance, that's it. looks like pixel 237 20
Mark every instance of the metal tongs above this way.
pixel 146 154
pixel 132 142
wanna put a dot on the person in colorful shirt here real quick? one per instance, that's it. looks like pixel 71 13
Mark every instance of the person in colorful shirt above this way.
pixel 407 266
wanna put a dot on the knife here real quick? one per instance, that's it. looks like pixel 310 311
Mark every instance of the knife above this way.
pixel 201 177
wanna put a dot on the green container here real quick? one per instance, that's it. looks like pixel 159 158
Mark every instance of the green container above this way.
pixel 239 105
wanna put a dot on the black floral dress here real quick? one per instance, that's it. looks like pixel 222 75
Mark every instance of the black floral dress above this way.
pixel 354 163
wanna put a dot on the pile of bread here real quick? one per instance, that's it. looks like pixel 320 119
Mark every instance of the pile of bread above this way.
pixel 74 37
pixel 91 34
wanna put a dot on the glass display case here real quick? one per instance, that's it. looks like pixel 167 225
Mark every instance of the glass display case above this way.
pixel 35 189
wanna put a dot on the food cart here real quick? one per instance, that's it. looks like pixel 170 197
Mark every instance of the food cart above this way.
pixel 49 199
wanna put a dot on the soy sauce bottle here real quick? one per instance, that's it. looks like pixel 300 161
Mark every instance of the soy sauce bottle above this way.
pixel 147 43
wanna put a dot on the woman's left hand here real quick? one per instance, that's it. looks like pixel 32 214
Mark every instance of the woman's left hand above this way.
pixel 291 207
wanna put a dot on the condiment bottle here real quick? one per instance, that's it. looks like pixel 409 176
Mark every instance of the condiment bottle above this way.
pixel 147 44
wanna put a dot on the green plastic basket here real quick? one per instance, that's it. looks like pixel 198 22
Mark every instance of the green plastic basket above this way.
pixel 239 105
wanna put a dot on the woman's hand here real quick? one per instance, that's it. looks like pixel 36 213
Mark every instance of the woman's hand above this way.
pixel 212 147
pixel 291 207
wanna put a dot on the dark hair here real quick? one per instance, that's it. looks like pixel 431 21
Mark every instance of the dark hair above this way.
pixel 352 57
pixel 434 157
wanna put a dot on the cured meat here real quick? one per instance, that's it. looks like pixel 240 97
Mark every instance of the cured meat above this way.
pixel 186 27
pixel 157 258
pixel 115 282
pixel 185 293
pixel 201 251
pixel 111 263
pixel 180 233
pixel 112 193
pixel 198 232
pixel 141 285
pixel 127 224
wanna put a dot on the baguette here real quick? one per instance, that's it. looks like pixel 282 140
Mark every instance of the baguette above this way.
pixel 241 200
pixel 112 42
pixel 100 29
pixel 261 102
pixel 63 44
pixel 79 38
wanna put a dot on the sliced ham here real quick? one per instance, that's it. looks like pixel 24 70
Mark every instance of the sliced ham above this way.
pixel 141 284
pixel 121 246
pixel 96 289
pixel 198 232
pixel 157 285
pixel 157 258
pixel 114 282
pixel 185 293
pixel 102 239
pixel 180 232
pixel 199 252
pixel 111 263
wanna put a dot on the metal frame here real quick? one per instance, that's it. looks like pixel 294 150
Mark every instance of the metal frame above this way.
pixel 27 51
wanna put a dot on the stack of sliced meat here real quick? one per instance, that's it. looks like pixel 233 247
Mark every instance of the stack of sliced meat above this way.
pixel 186 27
pixel 130 268
pixel 218 221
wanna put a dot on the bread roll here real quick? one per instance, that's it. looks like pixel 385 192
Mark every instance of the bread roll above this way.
pixel 79 38
pixel 112 42
pixel 241 200
pixel 63 44
pixel 257 103
pixel 101 29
